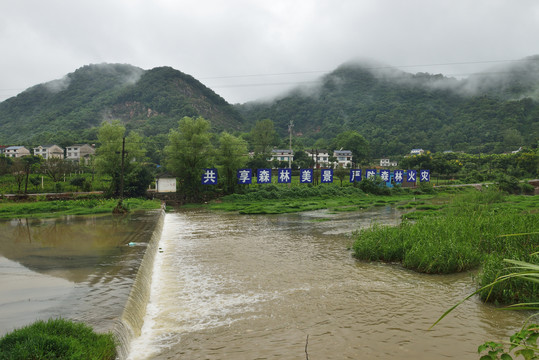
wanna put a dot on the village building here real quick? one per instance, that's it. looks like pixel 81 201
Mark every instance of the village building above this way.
pixel 388 163
pixel 49 151
pixel 16 151
pixel 282 155
pixel 80 152
pixel 320 158
pixel 344 157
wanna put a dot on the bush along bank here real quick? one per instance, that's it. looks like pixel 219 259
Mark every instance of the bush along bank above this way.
pixel 475 229
pixel 57 339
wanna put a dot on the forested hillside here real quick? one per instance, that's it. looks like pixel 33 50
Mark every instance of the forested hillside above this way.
pixel 492 112
pixel 395 111
pixel 70 109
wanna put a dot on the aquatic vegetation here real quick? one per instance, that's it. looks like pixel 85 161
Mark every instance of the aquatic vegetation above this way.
pixel 272 199
pixel 57 339
pixel 475 229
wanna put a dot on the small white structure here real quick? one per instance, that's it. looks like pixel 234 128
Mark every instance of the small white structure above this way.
pixel 388 163
pixel 165 183
pixel 417 152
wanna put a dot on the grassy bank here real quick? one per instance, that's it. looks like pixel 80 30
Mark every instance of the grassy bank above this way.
pixel 57 339
pixel 271 199
pixel 86 206
pixel 474 229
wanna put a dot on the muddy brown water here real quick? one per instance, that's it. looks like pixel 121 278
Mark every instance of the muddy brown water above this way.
pixel 286 287
pixel 226 286
pixel 76 267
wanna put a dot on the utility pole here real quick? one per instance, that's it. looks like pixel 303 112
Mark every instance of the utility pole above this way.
pixel 122 173
pixel 290 126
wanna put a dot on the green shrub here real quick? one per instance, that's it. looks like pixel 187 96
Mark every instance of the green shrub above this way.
pixel 508 184
pixel 527 189
pixel 57 339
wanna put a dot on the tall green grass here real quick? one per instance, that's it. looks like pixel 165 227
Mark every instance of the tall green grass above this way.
pixel 470 232
pixel 57 339
pixel 87 206
pixel 273 199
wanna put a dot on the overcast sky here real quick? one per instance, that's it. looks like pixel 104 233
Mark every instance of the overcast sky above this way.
pixel 249 49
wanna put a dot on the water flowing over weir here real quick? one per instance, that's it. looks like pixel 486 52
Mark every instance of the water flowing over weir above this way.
pixel 226 286
pixel 133 315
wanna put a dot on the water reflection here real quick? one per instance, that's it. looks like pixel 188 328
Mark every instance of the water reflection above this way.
pixel 78 267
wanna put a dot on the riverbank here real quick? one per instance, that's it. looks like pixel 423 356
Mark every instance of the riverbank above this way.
pixel 92 204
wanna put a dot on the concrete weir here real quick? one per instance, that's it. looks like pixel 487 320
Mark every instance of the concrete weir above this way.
pixel 133 314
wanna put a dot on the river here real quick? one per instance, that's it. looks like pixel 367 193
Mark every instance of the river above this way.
pixel 226 286
pixel 76 267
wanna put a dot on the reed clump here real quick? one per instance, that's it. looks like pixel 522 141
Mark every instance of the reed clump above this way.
pixel 57 339
pixel 474 230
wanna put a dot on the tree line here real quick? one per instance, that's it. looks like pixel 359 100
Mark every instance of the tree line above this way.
pixel 191 147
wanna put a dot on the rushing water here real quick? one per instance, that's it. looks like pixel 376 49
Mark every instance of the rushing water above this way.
pixel 286 287
pixel 75 267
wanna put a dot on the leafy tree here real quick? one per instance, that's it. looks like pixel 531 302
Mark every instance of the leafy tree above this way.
pixel 189 151
pixel 301 160
pixel 78 181
pixel 108 159
pixel 231 156
pixel 258 161
pixel 31 162
pixel 18 171
pixel 55 168
pixel 36 181
pixel 263 136
pixel 355 142
pixel 341 173
pixel 5 163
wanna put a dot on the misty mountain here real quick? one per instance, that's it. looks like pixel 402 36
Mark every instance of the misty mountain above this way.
pixel 396 111
pixel 151 101
pixel 494 111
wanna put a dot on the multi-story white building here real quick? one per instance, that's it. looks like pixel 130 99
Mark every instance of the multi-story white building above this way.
pixel 49 151
pixel 344 157
pixel 16 151
pixel 282 155
pixel 320 158
pixel 78 152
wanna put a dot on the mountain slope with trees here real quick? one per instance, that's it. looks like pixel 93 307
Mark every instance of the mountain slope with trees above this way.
pixel 72 108
pixel 492 112
pixel 395 111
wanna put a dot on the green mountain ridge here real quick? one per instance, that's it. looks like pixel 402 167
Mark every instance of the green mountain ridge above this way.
pixel 151 101
pixel 395 111
pixel 494 111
